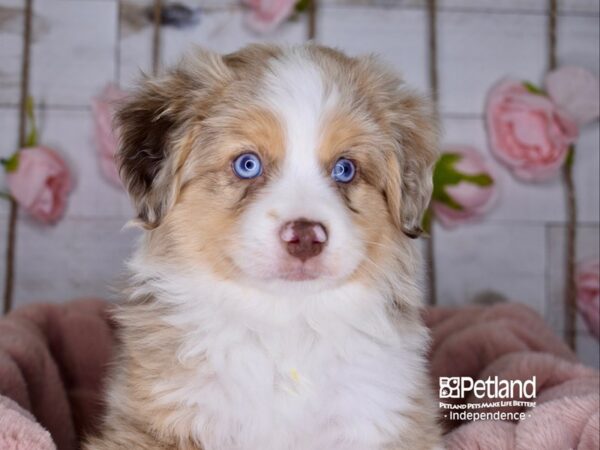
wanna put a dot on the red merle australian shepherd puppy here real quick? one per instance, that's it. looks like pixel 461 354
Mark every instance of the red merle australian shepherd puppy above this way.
pixel 273 303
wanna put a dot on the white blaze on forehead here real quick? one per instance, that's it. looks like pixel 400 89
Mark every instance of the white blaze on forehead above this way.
pixel 302 98
pixel 295 90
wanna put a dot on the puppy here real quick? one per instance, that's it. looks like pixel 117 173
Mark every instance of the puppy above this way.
pixel 273 303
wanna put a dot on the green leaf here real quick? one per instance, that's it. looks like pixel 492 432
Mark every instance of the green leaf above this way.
pixel 427 219
pixel 32 137
pixel 11 164
pixel 29 108
pixel 532 88
pixel 301 6
pixel 570 157
pixel 482 179
pixel 5 195
pixel 445 174
pixel 31 140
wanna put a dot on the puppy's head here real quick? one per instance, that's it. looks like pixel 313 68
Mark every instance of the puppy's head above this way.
pixel 278 165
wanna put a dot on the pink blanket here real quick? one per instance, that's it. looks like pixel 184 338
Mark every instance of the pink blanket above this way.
pixel 52 362
pixel 53 359
pixel 512 342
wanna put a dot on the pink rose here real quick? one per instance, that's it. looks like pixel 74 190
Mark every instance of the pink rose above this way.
pixel 527 131
pixel 265 15
pixel 105 136
pixel 465 187
pixel 40 183
pixel 588 294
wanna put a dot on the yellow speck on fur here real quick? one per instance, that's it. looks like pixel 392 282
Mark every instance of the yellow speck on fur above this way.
pixel 295 375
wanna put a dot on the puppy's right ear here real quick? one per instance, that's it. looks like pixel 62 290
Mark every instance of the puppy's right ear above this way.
pixel 152 125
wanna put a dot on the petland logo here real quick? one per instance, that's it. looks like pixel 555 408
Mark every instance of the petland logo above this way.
pixel 457 387
pixel 497 394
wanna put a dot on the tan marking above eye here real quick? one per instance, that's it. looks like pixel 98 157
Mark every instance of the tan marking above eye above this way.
pixel 350 134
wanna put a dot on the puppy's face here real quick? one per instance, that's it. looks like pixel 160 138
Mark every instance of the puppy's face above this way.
pixel 278 166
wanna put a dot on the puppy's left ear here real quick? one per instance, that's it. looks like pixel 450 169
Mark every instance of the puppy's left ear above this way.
pixel 412 124
pixel 417 135
pixel 409 181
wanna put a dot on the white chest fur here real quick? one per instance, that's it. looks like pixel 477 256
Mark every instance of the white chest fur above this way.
pixel 326 371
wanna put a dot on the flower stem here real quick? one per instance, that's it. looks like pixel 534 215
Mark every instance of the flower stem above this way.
pixel 570 259
pixel 432 40
pixel 570 288
pixel 11 232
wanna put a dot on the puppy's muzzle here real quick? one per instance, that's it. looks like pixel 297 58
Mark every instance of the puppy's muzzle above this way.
pixel 303 239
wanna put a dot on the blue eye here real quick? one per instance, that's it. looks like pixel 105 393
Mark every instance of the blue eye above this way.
pixel 343 171
pixel 247 166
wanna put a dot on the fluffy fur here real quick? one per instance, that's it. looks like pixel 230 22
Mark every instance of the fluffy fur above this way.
pixel 222 348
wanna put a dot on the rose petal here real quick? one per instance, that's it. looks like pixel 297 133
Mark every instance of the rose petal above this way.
pixel 41 183
pixel 527 132
pixel 449 217
pixel 474 199
pixel 266 15
pixel 470 196
pixel 105 136
pixel 576 91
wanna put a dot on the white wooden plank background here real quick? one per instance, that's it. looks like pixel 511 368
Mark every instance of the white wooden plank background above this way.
pixel 9 140
pixel 9 123
pixel 587 248
pixel 397 35
pixel 135 47
pixel 71 131
pixel 11 43
pixel 523 6
pixel 76 57
pixel 476 49
pixel 513 265
pixel 223 31
pixel 80 45
pixel 78 258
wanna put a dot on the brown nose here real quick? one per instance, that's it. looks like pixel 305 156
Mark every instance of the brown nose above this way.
pixel 303 239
